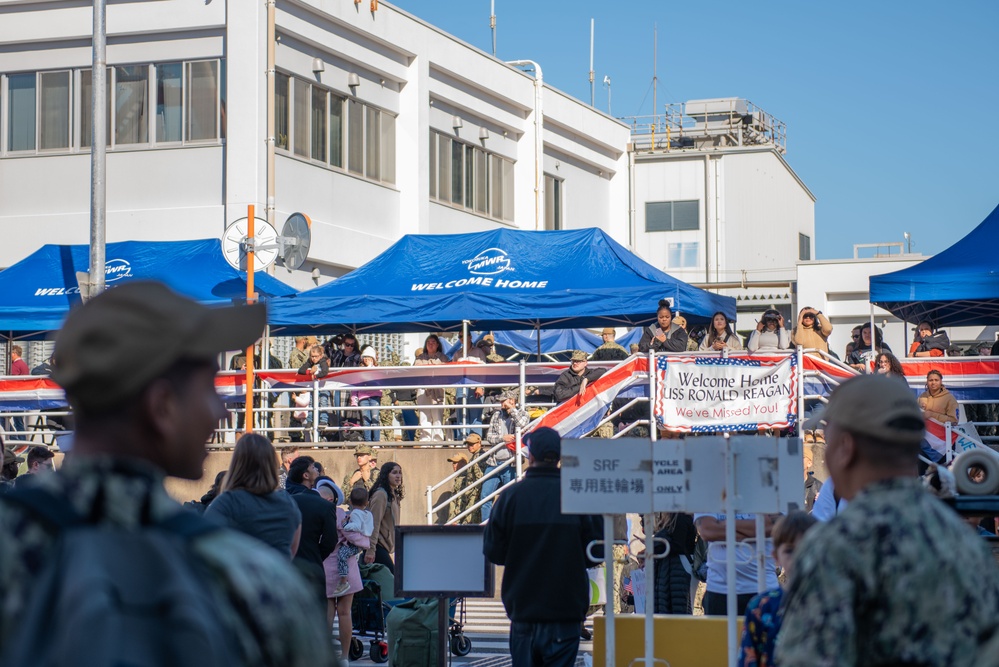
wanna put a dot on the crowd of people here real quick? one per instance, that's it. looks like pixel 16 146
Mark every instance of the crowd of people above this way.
pixel 272 554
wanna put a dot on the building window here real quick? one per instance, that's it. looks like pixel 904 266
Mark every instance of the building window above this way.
pixel 672 216
pixel 86 108
pixel 804 247
pixel 319 124
pixel 281 129
pixel 21 112
pixel 553 202
pixel 682 255
pixel 300 118
pixel 470 177
pixel 432 151
pixel 203 92
pixel 355 137
pixel 335 130
pixel 55 101
pixel 131 104
pixel 147 104
pixel 169 102
pixel 444 161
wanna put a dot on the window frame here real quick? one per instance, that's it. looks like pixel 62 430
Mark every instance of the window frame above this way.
pixel 804 243
pixel 555 189
pixel 672 215
pixel 78 114
pixel 466 176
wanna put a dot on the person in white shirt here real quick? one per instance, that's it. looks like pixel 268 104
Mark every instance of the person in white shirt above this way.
pixel 711 528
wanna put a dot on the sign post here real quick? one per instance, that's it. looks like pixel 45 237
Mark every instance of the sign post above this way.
pixel 760 475
pixel 251 298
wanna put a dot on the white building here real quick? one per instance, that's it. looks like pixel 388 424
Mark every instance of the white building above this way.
pixel 715 203
pixel 384 126
pixel 840 288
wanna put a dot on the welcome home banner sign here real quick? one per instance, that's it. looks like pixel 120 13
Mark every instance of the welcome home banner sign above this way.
pixel 737 393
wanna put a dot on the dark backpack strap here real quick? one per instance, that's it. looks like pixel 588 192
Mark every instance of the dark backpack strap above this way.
pixel 53 509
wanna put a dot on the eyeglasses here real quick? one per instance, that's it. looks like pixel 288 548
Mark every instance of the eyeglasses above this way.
pixel 855 336
pixel 346 344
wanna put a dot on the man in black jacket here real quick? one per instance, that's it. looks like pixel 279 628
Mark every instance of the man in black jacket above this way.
pixel 573 380
pixel 319 535
pixel 545 588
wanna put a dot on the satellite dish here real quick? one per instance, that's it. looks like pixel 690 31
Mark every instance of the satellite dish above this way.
pixel 296 239
pixel 235 244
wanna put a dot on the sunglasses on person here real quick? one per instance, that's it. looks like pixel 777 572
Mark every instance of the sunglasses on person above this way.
pixel 346 344
pixel 855 336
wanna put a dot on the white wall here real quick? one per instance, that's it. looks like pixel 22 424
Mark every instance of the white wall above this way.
pixel 764 209
pixel 759 203
pixel 405 66
pixel 841 290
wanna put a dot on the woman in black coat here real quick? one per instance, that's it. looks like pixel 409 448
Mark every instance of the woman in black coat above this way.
pixel 672 585
pixel 665 335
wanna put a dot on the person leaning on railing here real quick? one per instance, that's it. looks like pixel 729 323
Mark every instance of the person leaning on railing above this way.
pixel 812 330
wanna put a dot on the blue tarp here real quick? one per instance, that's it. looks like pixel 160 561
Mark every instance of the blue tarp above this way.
pixel 959 286
pixel 499 280
pixel 553 341
pixel 37 292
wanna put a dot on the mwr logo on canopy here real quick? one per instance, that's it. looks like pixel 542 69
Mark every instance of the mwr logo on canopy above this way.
pixel 489 262
pixel 114 269
pixel 483 266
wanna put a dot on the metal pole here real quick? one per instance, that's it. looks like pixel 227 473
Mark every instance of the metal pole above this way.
pixel 271 132
pixel 250 298
pixel 516 454
pixel 650 528
pixel 430 505
pixel 98 151
pixel 731 597
pixel 539 145
pixel 492 23
pixel 609 585
pixel 315 410
pixel 592 91
pixel 801 393
pixel 650 589
pixel 761 554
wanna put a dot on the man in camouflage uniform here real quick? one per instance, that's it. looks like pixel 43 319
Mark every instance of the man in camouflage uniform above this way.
pixel 897 578
pixel 365 474
pixel 468 475
pixel 138 366
pixel 609 350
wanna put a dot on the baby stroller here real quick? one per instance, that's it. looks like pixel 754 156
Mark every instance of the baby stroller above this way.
pixel 367 615
pixel 459 644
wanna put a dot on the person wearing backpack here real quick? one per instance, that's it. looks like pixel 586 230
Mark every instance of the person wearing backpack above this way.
pixel 98 565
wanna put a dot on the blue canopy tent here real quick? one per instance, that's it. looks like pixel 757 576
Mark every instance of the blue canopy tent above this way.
pixel 959 286
pixel 498 280
pixel 37 292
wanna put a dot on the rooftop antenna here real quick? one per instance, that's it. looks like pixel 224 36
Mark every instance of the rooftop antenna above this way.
pixel 592 90
pixel 655 78
pixel 492 23
pixel 908 243
pixel 607 84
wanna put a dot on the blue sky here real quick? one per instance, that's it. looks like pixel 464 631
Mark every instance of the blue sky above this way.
pixel 889 105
